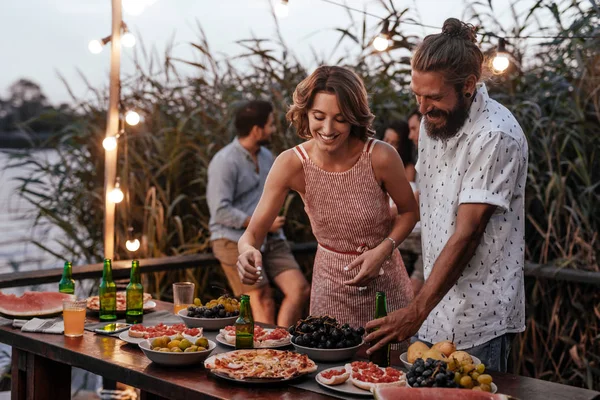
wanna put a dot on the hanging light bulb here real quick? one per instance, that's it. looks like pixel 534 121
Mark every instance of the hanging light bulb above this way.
pixel 132 118
pixel 134 7
pixel 501 60
pixel 128 40
pixel 110 143
pixel 282 8
pixel 382 41
pixel 95 46
pixel 132 245
pixel 116 195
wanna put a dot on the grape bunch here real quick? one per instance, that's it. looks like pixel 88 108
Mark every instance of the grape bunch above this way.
pixel 430 373
pixel 223 307
pixel 217 311
pixel 325 333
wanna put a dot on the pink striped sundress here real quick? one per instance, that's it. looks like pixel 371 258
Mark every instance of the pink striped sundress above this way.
pixel 349 213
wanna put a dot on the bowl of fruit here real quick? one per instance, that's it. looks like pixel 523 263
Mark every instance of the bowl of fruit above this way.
pixel 324 339
pixel 443 351
pixel 214 315
pixel 177 350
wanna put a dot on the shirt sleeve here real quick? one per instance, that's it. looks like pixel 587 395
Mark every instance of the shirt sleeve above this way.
pixel 220 190
pixel 493 166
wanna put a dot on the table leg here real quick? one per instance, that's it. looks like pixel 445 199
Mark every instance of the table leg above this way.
pixel 38 378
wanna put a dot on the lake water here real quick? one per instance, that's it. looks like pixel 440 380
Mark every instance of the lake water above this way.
pixel 17 253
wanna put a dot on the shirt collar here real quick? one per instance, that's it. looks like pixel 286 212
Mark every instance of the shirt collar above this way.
pixel 238 145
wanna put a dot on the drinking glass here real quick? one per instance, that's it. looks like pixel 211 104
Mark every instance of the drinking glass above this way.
pixel 183 295
pixel 74 317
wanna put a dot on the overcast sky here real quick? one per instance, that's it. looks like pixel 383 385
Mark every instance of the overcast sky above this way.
pixel 41 38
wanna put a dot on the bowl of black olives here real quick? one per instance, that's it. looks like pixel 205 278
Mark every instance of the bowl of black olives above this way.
pixel 214 315
pixel 324 339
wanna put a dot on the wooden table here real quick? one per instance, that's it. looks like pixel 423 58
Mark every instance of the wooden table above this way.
pixel 41 369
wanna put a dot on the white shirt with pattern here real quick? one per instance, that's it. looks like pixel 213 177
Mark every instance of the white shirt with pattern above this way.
pixel 486 162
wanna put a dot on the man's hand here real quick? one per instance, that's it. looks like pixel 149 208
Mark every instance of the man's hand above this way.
pixel 396 327
pixel 277 224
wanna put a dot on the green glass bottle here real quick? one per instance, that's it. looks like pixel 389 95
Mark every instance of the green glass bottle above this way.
pixel 135 296
pixel 244 325
pixel 381 357
pixel 67 284
pixel 108 293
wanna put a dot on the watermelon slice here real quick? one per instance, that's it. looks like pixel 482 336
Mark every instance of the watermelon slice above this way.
pixel 408 393
pixel 32 304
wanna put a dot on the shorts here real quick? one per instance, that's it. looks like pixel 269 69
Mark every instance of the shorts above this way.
pixel 277 258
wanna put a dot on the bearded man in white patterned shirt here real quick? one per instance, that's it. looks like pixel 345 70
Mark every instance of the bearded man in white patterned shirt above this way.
pixel 472 170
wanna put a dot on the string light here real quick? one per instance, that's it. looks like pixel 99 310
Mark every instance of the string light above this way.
pixel 95 46
pixel 382 41
pixel 110 143
pixel 282 9
pixel 116 195
pixel 501 60
pixel 128 40
pixel 132 244
pixel 132 118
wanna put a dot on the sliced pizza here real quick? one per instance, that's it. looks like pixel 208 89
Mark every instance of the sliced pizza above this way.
pixel 263 338
pixel 366 375
pixel 149 332
pixel 93 303
pixel 260 364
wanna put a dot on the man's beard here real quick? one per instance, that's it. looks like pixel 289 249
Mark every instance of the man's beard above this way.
pixel 264 142
pixel 455 119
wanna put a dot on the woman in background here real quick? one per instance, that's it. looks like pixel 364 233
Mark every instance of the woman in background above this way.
pixel 397 135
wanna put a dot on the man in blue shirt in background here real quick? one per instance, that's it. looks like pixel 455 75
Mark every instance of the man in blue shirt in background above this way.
pixel 236 178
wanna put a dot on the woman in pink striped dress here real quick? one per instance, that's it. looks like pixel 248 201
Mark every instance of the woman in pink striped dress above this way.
pixel 344 177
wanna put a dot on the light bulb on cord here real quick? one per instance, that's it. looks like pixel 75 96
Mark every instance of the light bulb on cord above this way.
pixel 132 118
pixel 501 60
pixel 132 245
pixel 382 41
pixel 110 143
pixel 95 46
pixel 128 40
pixel 134 7
pixel 282 8
pixel 116 195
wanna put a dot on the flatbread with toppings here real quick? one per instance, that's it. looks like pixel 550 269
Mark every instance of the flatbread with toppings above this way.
pixel 260 364
pixel 263 338
pixel 93 303
pixel 366 375
pixel 149 332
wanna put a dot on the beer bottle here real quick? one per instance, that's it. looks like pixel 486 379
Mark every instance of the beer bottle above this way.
pixel 135 296
pixel 108 294
pixel 244 325
pixel 381 357
pixel 67 284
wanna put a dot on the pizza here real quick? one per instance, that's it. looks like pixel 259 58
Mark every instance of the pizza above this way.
pixel 149 332
pixel 334 376
pixel 263 338
pixel 93 303
pixel 366 375
pixel 260 364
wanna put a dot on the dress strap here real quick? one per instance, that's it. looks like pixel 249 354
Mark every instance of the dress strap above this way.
pixel 369 144
pixel 301 153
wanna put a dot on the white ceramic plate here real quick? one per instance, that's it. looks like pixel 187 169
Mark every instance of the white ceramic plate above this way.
pixel 148 306
pixel 346 387
pixel 404 359
pixel 222 340
pixel 328 355
pixel 209 324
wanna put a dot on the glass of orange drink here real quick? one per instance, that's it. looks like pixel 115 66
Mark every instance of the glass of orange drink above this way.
pixel 183 296
pixel 74 317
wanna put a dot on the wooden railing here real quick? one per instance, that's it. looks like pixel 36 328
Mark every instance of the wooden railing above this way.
pixel 121 269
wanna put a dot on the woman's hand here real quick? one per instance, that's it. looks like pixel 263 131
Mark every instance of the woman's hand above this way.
pixel 370 264
pixel 249 266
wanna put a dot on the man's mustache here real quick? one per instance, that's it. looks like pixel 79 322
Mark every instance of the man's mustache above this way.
pixel 435 113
